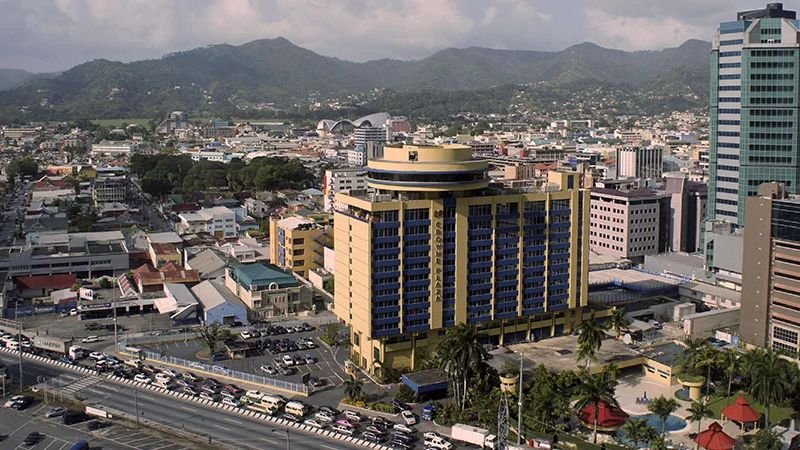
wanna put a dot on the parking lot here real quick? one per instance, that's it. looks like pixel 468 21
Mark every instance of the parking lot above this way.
pixel 324 364
pixel 15 426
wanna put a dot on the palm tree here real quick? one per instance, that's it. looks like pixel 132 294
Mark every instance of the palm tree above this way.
pixel 590 339
pixel 733 365
pixel 699 411
pixel 766 439
pixel 353 389
pixel 638 430
pixel 594 390
pixel 691 356
pixel 770 380
pixel 460 355
pixel 662 407
pixel 619 322
pixel 709 358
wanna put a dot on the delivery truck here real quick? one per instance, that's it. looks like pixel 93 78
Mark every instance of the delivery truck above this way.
pixel 473 435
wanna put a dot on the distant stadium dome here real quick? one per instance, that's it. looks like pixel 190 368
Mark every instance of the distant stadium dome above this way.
pixel 345 125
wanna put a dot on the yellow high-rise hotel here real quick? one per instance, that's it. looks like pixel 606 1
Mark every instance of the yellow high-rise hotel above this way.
pixel 435 245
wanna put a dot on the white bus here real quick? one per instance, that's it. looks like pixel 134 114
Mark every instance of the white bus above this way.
pixel 296 409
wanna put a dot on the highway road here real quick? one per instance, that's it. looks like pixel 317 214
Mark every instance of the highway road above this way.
pixel 222 427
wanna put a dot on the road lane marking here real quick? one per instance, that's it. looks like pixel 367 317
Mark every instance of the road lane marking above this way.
pixel 328 447
pixel 275 442
pixel 220 427
pixel 228 419
pixel 187 408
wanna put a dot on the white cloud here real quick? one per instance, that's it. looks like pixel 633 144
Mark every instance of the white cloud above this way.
pixel 56 34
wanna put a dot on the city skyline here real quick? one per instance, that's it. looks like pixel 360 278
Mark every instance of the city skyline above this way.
pixel 48 37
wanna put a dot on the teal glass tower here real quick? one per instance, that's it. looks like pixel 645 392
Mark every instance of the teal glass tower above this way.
pixel 753 113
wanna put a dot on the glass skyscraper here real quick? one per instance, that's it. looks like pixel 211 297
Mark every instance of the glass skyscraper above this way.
pixel 754 109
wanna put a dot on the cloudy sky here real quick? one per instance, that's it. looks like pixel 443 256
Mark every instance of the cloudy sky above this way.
pixel 49 35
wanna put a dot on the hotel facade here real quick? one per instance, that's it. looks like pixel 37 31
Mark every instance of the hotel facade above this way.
pixel 433 245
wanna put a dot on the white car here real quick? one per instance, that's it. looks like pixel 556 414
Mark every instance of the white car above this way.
pixel 352 415
pixel 231 402
pixel 438 443
pixel 254 394
pixel 323 417
pixel 10 403
pixel 97 356
pixel 408 417
pixel 288 360
pixel 403 427
pixel 429 435
pixel 269 370
pixel 163 378
pixel 142 378
pixel 313 423
pixel 220 369
pixel 246 334
pixel 170 372
pixel 90 339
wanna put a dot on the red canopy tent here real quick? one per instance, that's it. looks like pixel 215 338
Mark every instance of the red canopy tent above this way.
pixel 740 411
pixel 608 417
pixel 715 439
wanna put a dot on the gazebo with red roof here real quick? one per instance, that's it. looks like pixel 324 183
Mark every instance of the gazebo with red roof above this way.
pixel 741 412
pixel 609 418
pixel 715 439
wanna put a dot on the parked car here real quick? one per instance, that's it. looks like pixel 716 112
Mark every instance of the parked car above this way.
pixel 399 406
pixel 269 370
pixel 55 412
pixel 90 339
pixel 231 402
pixel 403 427
pixel 310 359
pixel 408 417
pixel 32 439
pixel 313 423
pixel 191 377
pixel 324 417
pixel 142 378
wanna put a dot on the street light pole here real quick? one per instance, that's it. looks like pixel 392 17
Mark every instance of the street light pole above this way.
pixel 19 343
pixel 136 403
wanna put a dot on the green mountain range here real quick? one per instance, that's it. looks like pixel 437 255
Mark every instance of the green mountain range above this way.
pixel 227 80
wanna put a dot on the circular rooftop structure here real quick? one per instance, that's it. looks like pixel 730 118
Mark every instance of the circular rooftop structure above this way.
pixel 427 168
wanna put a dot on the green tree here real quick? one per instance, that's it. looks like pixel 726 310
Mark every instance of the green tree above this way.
pixel 594 390
pixel 771 379
pixel 688 361
pixel 619 323
pixel 699 411
pixel 460 356
pixel 211 335
pixel 766 439
pixel 26 166
pixel 732 364
pixel 662 407
pixel 329 285
pixel 590 339
pixel 353 389
pixel 638 431
pixel 709 358
pixel 405 394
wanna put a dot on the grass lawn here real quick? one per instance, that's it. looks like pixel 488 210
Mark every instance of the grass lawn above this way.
pixel 116 123
pixel 776 413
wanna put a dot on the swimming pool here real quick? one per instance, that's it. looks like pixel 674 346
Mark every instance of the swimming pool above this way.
pixel 673 423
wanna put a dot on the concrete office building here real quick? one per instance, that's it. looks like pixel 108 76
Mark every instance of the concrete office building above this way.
pixel 267 291
pixel 83 254
pixel 219 221
pixel 435 246
pixel 771 283
pixel 629 223
pixel 339 180
pixel 296 243
pixel 113 148
pixel 110 189
pixel 753 109
pixel 688 204
pixel 640 162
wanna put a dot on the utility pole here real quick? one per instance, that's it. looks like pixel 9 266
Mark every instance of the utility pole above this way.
pixel 114 305
pixel 519 403
pixel 19 343
pixel 136 403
